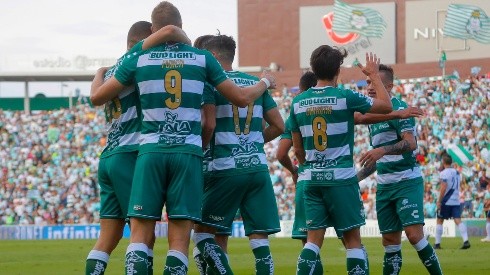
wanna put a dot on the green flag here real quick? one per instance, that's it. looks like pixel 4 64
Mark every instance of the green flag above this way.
pixel 467 22
pixel 459 154
pixel 361 20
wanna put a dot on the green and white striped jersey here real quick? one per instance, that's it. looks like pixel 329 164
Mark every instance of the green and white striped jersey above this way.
pixel 170 79
pixel 237 146
pixel 123 117
pixel 325 118
pixel 394 168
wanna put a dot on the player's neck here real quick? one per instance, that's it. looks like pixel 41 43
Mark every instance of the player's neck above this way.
pixel 227 66
pixel 324 83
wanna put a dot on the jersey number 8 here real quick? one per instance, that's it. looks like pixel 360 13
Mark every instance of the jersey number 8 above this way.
pixel 319 127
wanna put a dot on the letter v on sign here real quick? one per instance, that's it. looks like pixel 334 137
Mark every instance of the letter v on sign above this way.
pixel 340 39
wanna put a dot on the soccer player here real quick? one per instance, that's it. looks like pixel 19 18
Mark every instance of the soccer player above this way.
pixel 448 205
pixel 322 125
pixel 399 195
pixel 123 118
pixel 171 79
pixel 237 175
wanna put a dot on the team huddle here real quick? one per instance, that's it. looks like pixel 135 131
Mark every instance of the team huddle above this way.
pixel 186 132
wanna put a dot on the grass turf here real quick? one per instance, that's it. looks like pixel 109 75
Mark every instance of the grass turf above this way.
pixel 68 257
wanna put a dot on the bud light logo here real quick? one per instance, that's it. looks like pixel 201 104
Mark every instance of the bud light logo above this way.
pixel 340 39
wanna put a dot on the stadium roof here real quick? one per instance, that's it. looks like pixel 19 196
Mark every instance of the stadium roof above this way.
pixel 47 76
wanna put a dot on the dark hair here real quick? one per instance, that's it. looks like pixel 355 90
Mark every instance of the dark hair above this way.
pixel 138 31
pixel 307 81
pixel 223 46
pixel 325 61
pixel 201 40
pixel 447 159
pixel 387 71
pixel 164 14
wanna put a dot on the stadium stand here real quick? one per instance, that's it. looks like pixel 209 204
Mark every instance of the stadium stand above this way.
pixel 48 160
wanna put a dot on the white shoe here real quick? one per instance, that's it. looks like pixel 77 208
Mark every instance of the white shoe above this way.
pixel 487 239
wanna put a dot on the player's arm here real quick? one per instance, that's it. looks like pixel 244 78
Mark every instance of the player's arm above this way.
pixel 442 191
pixel 399 114
pixel 299 149
pixel 276 124
pixel 382 102
pixel 365 172
pixel 208 122
pixel 169 33
pixel 282 156
pixel 242 96
pixel 407 144
pixel 102 92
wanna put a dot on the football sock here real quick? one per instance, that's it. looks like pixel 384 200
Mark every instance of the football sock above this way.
pixel 463 231
pixel 438 233
pixel 318 266
pixel 264 264
pixel 392 263
pixel 96 262
pixel 366 257
pixel 356 261
pixel 136 259
pixel 150 261
pixel 212 253
pixel 176 263
pixel 308 259
pixel 428 257
pixel 200 262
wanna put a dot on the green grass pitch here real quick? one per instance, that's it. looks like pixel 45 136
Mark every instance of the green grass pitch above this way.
pixel 68 257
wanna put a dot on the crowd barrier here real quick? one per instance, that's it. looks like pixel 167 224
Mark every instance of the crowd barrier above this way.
pixel 476 227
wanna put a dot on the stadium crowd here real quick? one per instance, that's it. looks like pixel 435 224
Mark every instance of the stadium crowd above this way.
pixel 49 160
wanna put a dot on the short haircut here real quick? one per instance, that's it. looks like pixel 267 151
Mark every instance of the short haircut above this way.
pixel 223 47
pixel 387 72
pixel 164 14
pixel 447 159
pixel 307 81
pixel 138 31
pixel 325 61
pixel 201 40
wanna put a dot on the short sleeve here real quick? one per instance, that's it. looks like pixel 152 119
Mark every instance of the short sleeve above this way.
pixel 293 123
pixel 126 71
pixel 443 176
pixel 215 74
pixel 208 96
pixel 268 102
pixel 406 124
pixel 287 130
pixel 358 102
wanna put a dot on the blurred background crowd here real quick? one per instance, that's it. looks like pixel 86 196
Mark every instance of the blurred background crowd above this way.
pixel 49 159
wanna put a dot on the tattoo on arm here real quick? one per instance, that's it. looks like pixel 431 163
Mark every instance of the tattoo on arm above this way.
pixel 397 149
pixel 365 172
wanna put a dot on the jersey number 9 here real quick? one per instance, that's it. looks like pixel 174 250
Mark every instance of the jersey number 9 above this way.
pixel 173 86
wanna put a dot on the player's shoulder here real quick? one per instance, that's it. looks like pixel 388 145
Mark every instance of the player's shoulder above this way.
pixel 398 103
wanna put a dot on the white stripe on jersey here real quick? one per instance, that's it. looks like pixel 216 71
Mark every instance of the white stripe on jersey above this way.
pixel 329 153
pixel 399 176
pixel 225 138
pixel 389 158
pixel 229 163
pixel 129 139
pixel 339 173
pixel 384 137
pixel 144 60
pixel 158 86
pixel 183 114
pixel 154 137
pixel 341 105
pixel 227 111
pixel 126 92
pixel 129 114
pixel 332 129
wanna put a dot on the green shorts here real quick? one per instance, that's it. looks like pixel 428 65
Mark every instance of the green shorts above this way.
pixel 299 226
pixel 252 193
pixel 339 207
pixel 400 206
pixel 174 180
pixel 115 176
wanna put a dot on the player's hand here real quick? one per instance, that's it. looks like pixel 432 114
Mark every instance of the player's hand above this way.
pixel 372 64
pixel 295 175
pixel 369 159
pixel 410 112
pixel 102 70
pixel 270 77
pixel 438 204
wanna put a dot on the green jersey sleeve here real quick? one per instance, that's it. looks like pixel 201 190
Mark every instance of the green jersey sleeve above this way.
pixel 126 71
pixel 358 102
pixel 268 102
pixel 208 96
pixel 402 125
pixel 287 130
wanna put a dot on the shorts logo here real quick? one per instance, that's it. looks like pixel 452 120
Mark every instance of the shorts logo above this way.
pixel 356 271
pixel 405 201
pixel 216 218
pixel 415 214
pixel 309 221
pixel 407 205
pixel 137 207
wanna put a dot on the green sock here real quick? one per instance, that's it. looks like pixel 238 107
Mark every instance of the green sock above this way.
pixel 200 262
pixel 428 257
pixel 392 263
pixel 308 259
pixel 318 266
pixel 150 261
pixel 356 261
pixel 264 264
pixel 136 259
pixel 176 263
pixel 213 254
pixel 366 257
pixel 96 262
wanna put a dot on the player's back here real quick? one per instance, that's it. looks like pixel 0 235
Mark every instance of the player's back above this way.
pixel 325 118
pixel 171 80
pixel 452 178
pixel 237 145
